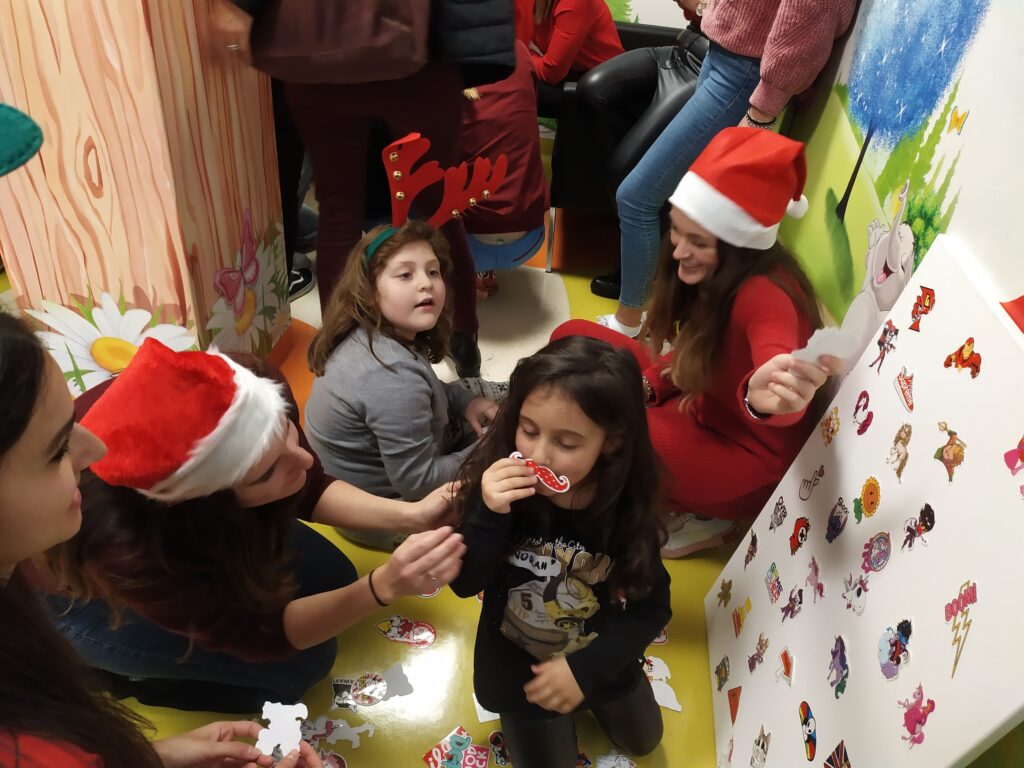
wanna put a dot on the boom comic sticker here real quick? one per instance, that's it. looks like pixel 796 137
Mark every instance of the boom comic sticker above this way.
pixel 862 417
pixel 830 426
pixel 916 527
pixel 915 715
pixel 904 384
pixel 722 673
pixel 774 583
pixel 551 481
pixel 809 729
pixel 836 520
pixel 838 667
pixel 399 629
pixel 952 452
pixel 964 358
pixel 870 498
pixel 924 304
pixel 779 513
pixel 899 454
pixel 801 530
pixel 876 552
pixel 894 649
pixel 958 611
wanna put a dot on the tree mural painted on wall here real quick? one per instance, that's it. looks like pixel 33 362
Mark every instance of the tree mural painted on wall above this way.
pixel 904 61
pixel 621 10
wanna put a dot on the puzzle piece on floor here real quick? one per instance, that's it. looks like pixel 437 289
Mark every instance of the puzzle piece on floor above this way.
pixel 370 688
pixel 283 729
pixel 325 729
pixel 658 673
pixel 418 634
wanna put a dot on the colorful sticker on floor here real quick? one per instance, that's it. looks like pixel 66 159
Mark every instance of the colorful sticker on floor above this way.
pixel 331 731
pixel 284 727
pixel 441 752
pixel 725 593
pixel 758 655
pixel 863 417
pixel 370 688
pixel 658 674
pixel 662 637
pixel 809 729
pixel 814 581
pixel 418 634
pixel 916 527
pixel 952 452
pixel 722 672
pixel 332 760
pixel 836 520
pixel 773 583
pixel 923 304
pixel 876 552
pixel 759 755
pixel 751 550
pixel 839 757
pixel 808 484
pixel 886 344
pixel 1014 460
pixel 793 604
pixel 778 514
pixel 870 498
pixel 582 756
pixel 855 592
pixel 738 615
pixel 734 701
pixel 838 667
pixel 894 649
pixel 915 714
pixel 484 715
pixel 830 426
pixel 904 384
pixel 899 454
pixel 965 357
pixel 499 750
pixel 958 611
pixel 785 670
pixel 801 530
pixel 614 760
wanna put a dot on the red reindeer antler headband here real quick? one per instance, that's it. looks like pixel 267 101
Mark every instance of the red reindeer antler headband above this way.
pixel 406 183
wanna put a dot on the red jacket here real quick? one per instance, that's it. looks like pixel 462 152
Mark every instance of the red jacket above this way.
pixel 577 36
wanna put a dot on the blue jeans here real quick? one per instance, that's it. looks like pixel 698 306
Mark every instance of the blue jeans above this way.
pixel 162 671
pixel 507 256
pixel 722 97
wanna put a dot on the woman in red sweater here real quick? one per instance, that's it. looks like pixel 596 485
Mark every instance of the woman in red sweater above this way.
pixel 728 405
pixel 566 38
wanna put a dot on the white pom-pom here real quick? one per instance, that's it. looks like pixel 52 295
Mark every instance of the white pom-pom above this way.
pixel 797 208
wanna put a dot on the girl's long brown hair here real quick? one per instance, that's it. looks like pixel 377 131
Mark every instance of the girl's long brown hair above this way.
pixel 45 690
pixel 353 301
pixel 605 383
pixel 694 317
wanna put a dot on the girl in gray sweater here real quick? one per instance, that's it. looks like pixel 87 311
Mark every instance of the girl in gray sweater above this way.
pixel 378 415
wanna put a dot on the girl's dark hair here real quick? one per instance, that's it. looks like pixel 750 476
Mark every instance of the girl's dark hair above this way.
pixel 45 690
pixel 353 301
pixel 605 383
pixel 129 542
pixel 694 317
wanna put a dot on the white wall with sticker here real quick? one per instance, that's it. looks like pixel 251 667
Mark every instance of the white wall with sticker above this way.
pixel 972 552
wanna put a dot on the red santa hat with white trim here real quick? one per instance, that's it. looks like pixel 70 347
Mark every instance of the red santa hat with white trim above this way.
pixel 181 425
pixel 742 185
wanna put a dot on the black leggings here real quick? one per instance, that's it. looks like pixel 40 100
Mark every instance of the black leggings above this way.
pixel 632 722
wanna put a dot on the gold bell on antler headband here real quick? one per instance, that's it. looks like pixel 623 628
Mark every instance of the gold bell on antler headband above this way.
pixel 461 189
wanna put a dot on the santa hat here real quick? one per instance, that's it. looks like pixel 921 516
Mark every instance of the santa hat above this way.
pixel 742 184
pixel 181 425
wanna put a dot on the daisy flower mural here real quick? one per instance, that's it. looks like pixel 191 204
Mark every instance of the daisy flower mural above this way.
pixel 99 343
pixel 251 295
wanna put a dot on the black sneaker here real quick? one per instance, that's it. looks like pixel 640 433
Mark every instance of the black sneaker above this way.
pixel 300 282
pixel 466 353
pixel 607 286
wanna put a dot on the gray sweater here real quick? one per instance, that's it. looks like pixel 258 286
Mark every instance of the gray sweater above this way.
pixel 381 429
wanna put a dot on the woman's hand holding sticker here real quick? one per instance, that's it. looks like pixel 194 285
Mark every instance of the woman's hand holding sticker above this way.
pixel 505 481
pixel 787 385
pixel 422 563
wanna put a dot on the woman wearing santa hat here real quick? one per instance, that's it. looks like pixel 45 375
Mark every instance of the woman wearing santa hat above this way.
pixel 192 582
pixel 728 407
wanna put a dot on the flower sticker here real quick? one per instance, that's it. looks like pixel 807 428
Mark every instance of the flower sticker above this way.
pixel 870 498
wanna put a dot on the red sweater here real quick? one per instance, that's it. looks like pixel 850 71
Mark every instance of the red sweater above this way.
pixel 720 460
pixel 27 751
pixel 793 39
pixel 576 36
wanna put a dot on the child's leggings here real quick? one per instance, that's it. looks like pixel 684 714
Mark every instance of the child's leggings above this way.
pixel 632 722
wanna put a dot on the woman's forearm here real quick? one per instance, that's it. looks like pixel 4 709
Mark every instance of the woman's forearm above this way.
pixel 311 620
pixel 346 506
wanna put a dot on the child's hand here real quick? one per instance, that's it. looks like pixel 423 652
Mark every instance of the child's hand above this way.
pixel 554 687
pixel 479 411
pixel 786 385
pixel 505 481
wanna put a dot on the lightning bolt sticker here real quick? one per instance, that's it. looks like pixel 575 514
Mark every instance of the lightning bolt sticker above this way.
pixel 958 611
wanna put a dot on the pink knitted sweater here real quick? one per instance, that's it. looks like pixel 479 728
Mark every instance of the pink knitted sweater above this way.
pixel 793 39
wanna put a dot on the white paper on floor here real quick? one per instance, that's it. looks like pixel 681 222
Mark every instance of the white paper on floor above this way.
pixel 483 715
pixel 658 674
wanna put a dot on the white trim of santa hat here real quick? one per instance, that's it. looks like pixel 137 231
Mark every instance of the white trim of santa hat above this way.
pixel 182 425
pixel 742 185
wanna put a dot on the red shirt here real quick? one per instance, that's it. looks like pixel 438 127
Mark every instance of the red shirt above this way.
pixel 577 36
pixel 28 751
pixel 504 121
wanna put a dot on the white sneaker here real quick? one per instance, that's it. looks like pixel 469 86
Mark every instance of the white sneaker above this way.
pixel 689 533
pixel 610 321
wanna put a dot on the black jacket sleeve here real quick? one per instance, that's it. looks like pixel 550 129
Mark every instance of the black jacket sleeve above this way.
pixel 485 533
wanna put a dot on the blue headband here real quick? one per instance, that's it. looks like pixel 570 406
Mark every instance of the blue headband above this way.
pixel 376 243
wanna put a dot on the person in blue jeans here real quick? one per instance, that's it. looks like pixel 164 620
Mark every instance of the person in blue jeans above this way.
pixel 761 53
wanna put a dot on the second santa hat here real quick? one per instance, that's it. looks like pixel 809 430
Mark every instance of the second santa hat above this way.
pixel 742 184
